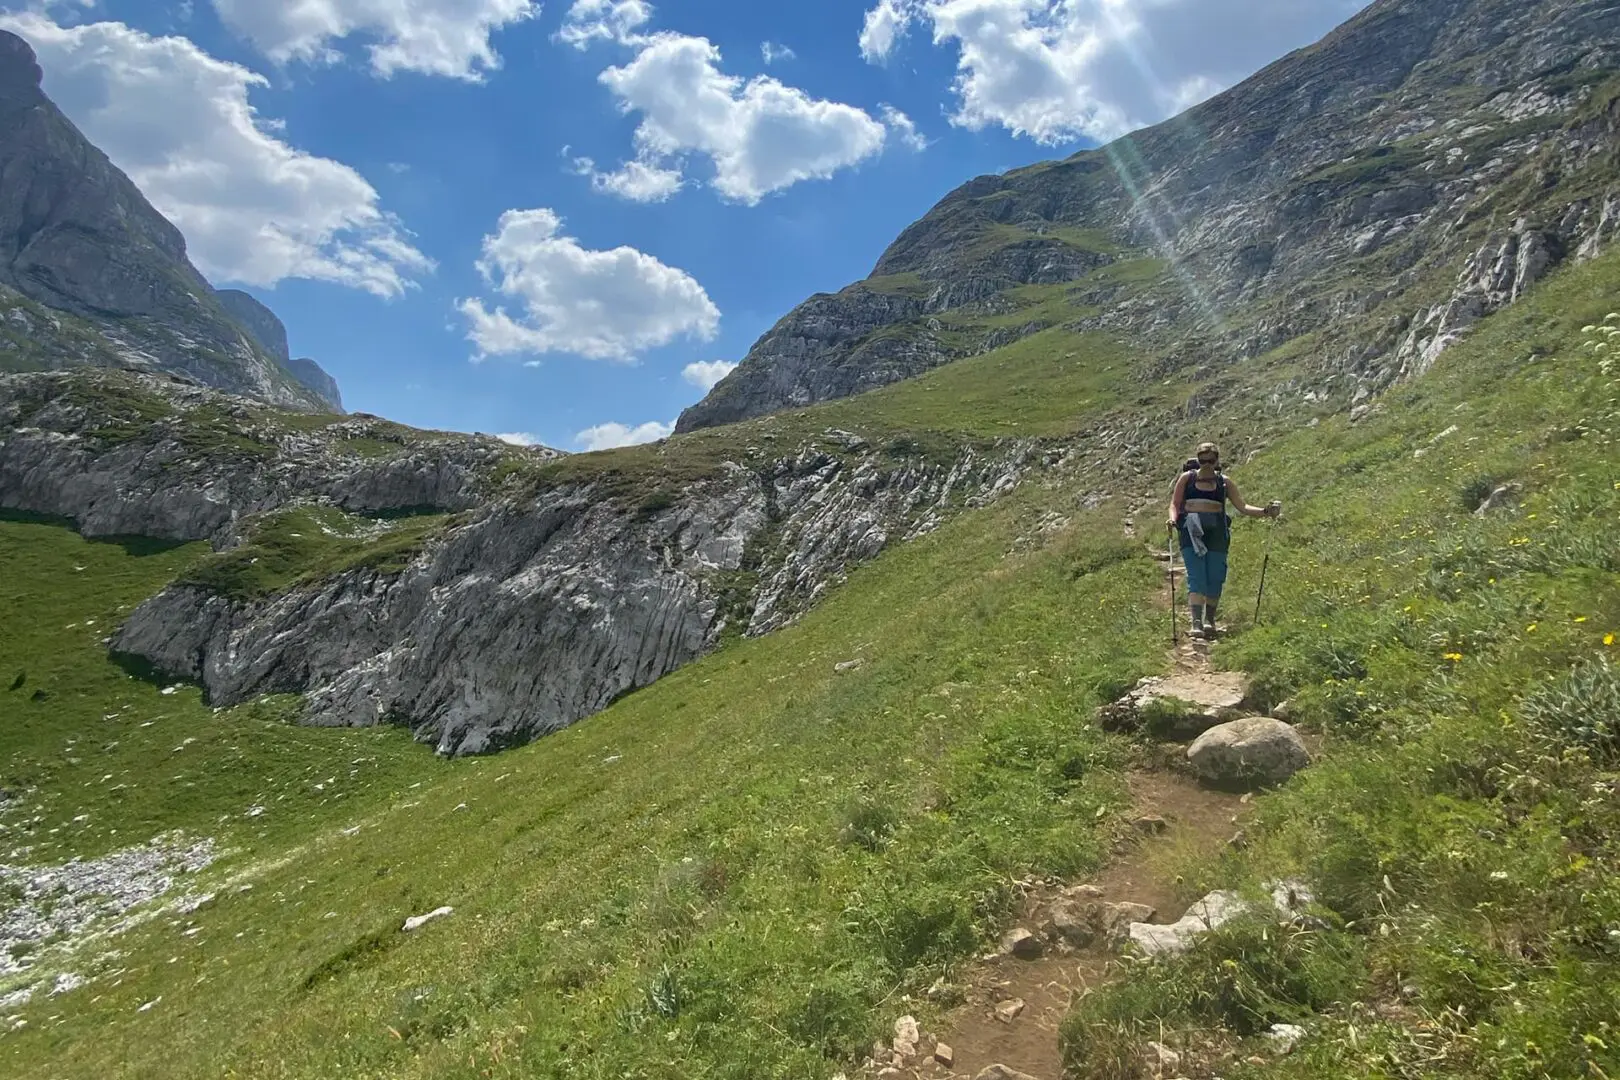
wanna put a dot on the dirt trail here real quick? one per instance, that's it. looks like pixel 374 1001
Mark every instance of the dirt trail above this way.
pixel 1195 819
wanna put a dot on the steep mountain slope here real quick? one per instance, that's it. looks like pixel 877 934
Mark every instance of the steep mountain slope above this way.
pixel 91 274
pixel 1364 201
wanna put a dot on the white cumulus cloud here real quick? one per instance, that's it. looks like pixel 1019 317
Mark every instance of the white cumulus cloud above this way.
pixel 761 135
pixel 604 305
pixel 607 436
pixel 519 438
pixel 903 128
pixel 637 181
pixel 771 52
pixel 1059 70
pixel 436 37
pixel 604 20
pixel 179 122
pixel 703 374
pixel 884 25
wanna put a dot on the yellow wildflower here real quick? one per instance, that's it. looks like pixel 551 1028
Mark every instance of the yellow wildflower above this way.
pixel 1531 628
pixel 1608 640
pixel 1454 656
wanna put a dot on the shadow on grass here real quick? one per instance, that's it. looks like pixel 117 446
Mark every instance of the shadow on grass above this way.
pixel 137 546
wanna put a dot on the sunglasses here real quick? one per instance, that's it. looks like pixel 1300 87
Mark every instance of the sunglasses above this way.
pixel 1207 459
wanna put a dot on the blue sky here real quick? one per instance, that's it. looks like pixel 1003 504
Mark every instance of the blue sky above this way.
pixel 540 219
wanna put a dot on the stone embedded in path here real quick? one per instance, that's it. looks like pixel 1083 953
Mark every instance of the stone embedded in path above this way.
pixel 1023 944
pixel 1207 914
pixel 1254 752
pixel 1068 921
pixel 906 1036
pixel 1284 1037
pixel 1001 1072
pixel 1010 1010
pixel 1161 1060
pixel 944 1055
pixel 1214 910
pixel 1206 698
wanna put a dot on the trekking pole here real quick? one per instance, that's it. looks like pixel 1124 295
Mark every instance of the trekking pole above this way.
pixel 1175 629
pixel 1265 564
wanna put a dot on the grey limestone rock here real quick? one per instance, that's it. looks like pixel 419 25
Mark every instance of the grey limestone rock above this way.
pixel 1257 751
pixel 271 334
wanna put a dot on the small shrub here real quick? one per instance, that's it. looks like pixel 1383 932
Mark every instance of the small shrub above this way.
pixel 868 824
pixel 664 993
pixel 932 924
pixel 1244 977
pixel 1474 491
pixel 656 502
pixel 835 1017
pixel 1166 718
pixel 1580 707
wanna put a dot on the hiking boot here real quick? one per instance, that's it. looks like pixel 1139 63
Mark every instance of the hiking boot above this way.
pixel 1210 632
pixel 1196 633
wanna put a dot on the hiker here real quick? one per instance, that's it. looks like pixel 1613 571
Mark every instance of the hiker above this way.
pixel 1198 514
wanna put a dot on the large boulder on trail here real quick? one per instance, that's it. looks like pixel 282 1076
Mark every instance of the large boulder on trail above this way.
pixel 1254 752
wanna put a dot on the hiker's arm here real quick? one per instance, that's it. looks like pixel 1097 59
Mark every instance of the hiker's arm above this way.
pixel 1242 506
pixel 1178 495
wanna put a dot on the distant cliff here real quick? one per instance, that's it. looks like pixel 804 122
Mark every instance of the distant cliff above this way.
pixel 271 334
pixel 92 275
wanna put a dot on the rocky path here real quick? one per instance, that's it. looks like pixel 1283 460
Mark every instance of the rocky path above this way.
pixel 1070 935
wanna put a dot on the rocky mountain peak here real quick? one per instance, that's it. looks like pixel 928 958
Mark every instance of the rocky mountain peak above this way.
pixel 20 74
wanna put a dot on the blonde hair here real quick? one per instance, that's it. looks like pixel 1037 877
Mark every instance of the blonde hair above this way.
pixel 1207 448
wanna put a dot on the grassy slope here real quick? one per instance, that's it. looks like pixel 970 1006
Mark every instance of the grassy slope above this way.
pixel 745 869
pixel 1463 833
pixel 82 737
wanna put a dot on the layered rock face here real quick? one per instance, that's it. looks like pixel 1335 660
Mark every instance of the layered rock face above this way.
pixel 132 455
pixel 1452 147
pixel 91 274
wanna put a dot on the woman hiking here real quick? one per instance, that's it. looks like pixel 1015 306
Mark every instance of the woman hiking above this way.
pixel 1204 529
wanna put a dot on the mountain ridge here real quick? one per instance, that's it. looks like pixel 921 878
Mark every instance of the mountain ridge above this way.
pixel 1330 178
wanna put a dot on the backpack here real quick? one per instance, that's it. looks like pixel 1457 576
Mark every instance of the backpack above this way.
pixel 1191 466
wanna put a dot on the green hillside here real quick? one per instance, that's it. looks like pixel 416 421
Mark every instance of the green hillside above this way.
pixel 748 869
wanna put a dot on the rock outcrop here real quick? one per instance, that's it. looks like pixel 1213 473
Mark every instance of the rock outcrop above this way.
pixel 91 274
pixel 132 455
pixel 1351 190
